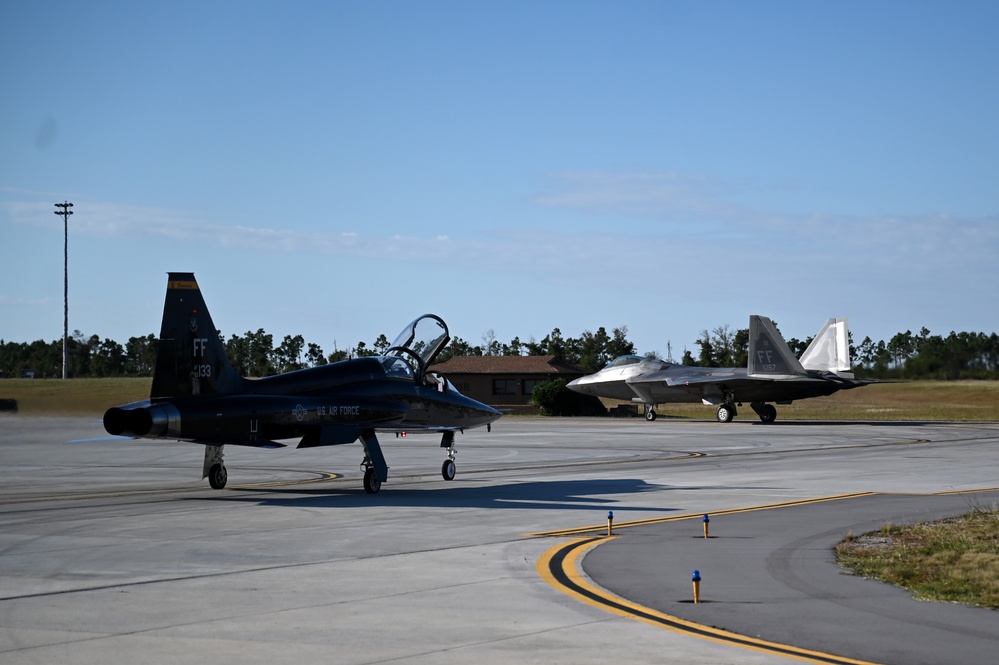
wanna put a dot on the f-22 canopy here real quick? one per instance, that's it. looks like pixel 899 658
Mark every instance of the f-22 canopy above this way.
pixel 772 374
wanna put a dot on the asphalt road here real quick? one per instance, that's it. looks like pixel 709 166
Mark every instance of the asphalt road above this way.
pixel 116 551
pixel 771 574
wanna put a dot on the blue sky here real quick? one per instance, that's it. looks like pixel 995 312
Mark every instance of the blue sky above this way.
pixel 335 169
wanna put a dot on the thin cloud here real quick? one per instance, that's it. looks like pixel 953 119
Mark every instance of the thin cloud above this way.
pixel 698 216
pixel 141 222
pixel 667 194
pixel 14 300
pixel 734 240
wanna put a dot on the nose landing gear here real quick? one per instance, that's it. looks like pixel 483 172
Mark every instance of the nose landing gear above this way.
pixel 448 469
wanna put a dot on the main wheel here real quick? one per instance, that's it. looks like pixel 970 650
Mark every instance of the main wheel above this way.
pixel 725 413
pixel 447 469
pixel 650 415
pixel 217 476
pixel 371 482
pixel 769 413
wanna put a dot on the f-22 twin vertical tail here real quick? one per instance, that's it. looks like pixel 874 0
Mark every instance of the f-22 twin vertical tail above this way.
pixel 198 396
pixel 772 374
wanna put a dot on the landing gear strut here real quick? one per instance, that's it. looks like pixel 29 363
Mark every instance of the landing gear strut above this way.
pixel 727 410
pixel 375 468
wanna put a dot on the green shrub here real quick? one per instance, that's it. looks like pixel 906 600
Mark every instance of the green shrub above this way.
pixel 553 399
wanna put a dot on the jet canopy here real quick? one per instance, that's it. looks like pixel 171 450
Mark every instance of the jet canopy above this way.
pixel 620 361
pixel 421 341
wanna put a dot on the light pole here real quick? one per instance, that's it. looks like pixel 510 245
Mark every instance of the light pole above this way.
pixel 65 213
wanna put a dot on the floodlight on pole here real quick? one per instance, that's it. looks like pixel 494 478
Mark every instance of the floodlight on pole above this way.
pixel 65 213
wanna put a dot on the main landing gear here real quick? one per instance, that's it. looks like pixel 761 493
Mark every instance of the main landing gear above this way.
pixel 214 468
pixel 766 412
pixel 650 412
pixel 376 471
pixel 217 476
pixel 725 413
pixel 375 468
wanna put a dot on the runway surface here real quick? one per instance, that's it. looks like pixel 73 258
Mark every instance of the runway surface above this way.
pixel 116 551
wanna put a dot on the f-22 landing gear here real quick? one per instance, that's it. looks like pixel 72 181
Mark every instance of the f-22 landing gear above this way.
pixel 725 413
pixel 766 412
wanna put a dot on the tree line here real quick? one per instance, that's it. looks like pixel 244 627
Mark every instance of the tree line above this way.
pixel 959 355
pixel 905 356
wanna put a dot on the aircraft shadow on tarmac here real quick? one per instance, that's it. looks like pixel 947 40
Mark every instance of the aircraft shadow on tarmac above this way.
pixel 582 495
pixel 847 423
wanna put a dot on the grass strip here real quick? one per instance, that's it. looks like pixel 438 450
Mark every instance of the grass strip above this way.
pixel 965 401
pixel 954 560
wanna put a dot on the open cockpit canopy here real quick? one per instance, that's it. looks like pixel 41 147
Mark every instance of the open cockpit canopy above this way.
pixel 416 347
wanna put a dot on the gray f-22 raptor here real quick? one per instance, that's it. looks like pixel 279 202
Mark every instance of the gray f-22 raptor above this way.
pixel 198 396
pixel 773 374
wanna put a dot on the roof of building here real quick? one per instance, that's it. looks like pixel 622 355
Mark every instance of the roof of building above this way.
pixel 507 365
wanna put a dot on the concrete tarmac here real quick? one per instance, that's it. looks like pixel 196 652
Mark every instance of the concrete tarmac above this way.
pixel 116 551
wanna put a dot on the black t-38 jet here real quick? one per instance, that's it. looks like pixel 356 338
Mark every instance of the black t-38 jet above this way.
pixel 198 396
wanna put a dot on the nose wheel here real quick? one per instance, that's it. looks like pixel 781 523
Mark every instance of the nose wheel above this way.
pixel 371 482
pixel 447 468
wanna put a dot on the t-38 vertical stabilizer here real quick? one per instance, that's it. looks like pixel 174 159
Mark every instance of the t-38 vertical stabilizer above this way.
pixel 190 357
